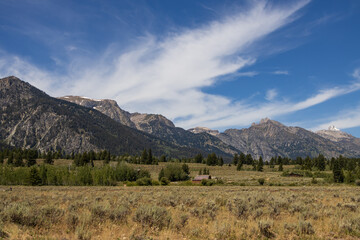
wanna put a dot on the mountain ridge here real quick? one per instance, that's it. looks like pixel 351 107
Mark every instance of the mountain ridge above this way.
pixel 32 119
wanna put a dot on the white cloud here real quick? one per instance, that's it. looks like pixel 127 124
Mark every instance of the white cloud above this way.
pixel 345 119
pixel 281 72
pixel 166 76
pixel 271 94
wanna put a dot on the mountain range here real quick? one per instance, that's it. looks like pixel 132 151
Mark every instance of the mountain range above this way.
pixel 32 119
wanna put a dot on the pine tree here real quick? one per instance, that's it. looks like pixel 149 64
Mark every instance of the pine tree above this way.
pixel 260 165
pixel 321 162
pixel 43 174
pixel 337 171
pixel 107 158
pixel 150 157
pixel 30 159
pixel 161 174
pixel 34 178
pixel 307 164
pixel 144 157
pixel 1 157
pixel 249 160
pixel 235 159
pixel 49 158
pixel 281 167
pixel 10 158
pixel 18 160
pixel 220 161
pixel 272 162
pixel 239 166
pixel 185 168
pixel 212 160
pixel 163 158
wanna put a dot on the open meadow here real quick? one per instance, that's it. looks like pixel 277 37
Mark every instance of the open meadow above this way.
pixel 241 208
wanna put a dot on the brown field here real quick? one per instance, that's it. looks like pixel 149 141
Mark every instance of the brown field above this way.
pixel 309 211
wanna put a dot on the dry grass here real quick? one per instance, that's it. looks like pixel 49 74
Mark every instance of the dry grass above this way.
pixel 175 212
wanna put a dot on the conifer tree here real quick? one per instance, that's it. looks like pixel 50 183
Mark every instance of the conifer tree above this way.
pixel 321 162
pixel 49 158
pixel 235 159
pixel 199 158
pixel 34 178
pixel 239 165
pixel 1 157
pixel 144 157
pixel 30 159
pixel 220 161
pixel 186 168
pixel 281 167
pixel 307 164
pixel 10 158
pixel 272 162
pixel 18 160
pixel 260 165
pixel 249 160
pixel 150 157
pixel 337 171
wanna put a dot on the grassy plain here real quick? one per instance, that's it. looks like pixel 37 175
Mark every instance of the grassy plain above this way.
pixel 304 211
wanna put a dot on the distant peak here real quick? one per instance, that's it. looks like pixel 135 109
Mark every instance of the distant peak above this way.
pixel 333 128
pixel 264 120
pixel 11 79
pixel 204 129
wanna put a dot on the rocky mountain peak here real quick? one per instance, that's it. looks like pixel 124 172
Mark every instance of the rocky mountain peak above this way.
pixel 204 129
pixel 333 128
pixel 268 121
pixel 106 106
pixel 334 134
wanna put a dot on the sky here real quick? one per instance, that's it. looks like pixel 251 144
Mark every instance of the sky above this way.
pixel 217 64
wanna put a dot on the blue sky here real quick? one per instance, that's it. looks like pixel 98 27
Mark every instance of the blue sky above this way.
pixel 219 64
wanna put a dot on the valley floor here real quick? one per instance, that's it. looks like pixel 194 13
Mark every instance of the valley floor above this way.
pixel 180 212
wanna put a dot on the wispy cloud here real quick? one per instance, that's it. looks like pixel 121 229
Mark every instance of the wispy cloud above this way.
pixel 347 118
pixel 281 72
pixel 271 94
pixel 167 75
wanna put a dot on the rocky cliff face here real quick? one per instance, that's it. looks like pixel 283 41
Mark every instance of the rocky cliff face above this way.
pixel 204 130
pixel 31 119
pixel 158 126
pixel 106 106
pixel 350 143
pixel 335 135
pixel 270 138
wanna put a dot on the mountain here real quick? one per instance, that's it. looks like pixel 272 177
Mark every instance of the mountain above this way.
pixel 271 138
pixel 335 135
pixel 32 119
pixel 158 126
pixel 350 143
pixel 106 106
pixel 204 130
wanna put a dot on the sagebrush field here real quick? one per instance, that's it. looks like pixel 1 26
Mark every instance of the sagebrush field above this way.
pixel 305 211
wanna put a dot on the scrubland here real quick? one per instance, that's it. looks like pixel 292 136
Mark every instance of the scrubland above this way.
pixel 283 208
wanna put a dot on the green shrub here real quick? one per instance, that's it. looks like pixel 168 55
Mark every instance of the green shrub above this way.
pixel 120 213
pixel 164 181
pixel 174 172
pixel 155 183
pixel 261 181
pixel 305 228
pixel 152 216
pixel 264 228
pixel 145 181
pixel 349 177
